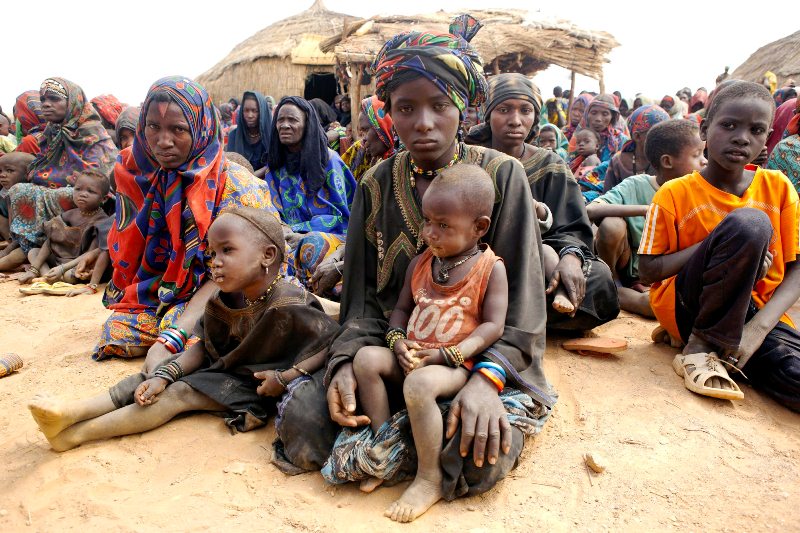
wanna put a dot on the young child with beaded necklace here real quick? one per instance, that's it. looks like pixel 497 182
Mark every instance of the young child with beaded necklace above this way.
pixel 454 303
pixel 259 333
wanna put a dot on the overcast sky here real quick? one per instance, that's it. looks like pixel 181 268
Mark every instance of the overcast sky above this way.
pixel 122 48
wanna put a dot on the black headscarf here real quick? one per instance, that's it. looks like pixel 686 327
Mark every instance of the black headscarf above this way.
pixel 312 159
pixel 325 113
pixel 237 142
pixel 504 87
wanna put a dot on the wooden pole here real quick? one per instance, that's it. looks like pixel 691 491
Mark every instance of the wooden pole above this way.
pixel 602 83
pixel 355 100
pixel 571 93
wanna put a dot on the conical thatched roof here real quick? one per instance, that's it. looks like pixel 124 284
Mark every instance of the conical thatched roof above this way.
pixel 296 39
pixel 781 57
pixel 510 41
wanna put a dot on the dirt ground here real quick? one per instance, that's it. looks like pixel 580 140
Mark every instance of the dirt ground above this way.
pixel 675 460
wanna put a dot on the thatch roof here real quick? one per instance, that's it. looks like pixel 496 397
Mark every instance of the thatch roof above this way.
pixel 296 38
pixel 509 41
pixel 781 57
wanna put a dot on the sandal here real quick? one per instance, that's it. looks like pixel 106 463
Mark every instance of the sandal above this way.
pixel 37 287
pixel 9 363
pixel 595 346
pixel 61 288
pixel 699 369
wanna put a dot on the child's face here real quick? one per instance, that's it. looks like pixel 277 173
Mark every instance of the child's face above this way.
pixel 599 118
pixel 586 143
pixel 447 230
pixel 547 140
pixel 689 159
pixel 576 113
pixel 125 138
pixel 87 194
pixel 12 172
pixel 237 263
pixel 4 126
pixel 737 133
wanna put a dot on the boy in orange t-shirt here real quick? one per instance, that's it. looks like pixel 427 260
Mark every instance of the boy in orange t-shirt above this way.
pixel 721 246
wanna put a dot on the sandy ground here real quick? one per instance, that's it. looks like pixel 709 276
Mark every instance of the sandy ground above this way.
pixel 675 460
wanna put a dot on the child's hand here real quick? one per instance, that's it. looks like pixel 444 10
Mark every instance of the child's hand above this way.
pixel 270 386
pixel 76 292
pixel 429 357
pixel 26 277
pixel 405 351
pixel 148 391
pixel 54 274
pixel 541 212
pixel 765 266
pixel 83 274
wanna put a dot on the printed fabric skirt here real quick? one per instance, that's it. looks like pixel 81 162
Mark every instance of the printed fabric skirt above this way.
pixel 30 206
pixel 312 250
pixel 123 332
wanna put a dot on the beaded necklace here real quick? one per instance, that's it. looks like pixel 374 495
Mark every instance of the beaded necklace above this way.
pixel 250 303
pixel 432 173
pixel 90 213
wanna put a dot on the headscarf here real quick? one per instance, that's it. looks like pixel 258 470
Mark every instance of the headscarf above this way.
pixel 675 108
pixel 685 92
pixel 584 98
pixel 562 144
pixel 167 256
pixel 28 110
pixel 783 94
pixel 504 87
pixel 446 60
pixel 325 113
pixel 699 97
pixel 78 143
pixel 380 121
pixel 108 107
pixel 237 140
pixel 611 138
pixel 311 161
pixel 642 120
pixel 127 120
pixel 793 128
pixel 772 79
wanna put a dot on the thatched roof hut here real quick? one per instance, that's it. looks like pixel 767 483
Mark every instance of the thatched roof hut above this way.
pixel 781 57
pixel 510 41
pixel 282 59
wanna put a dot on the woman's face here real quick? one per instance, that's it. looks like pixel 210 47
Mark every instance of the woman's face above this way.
pixel 372 143
pixel 125 138
pixel 426 120
pixel 54 108
pixel 291 124
pixel 250 112
pixel 511 122
pixel 345 104
pixel 167 133
pixel 576 113
pixel 599 118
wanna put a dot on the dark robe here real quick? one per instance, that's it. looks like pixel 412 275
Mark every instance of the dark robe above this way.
pixel 239 142
pixel 553 184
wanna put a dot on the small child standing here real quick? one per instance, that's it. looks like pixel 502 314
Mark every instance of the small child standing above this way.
pixel 13 170
pixel 69 236
pixel 258 333
pixel 675 149
pixel 454 304
pixel 721 247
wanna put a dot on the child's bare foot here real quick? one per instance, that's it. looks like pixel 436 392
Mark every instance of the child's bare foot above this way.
pixel 50 414
pixel 418 498
pixel 370 484
pixel 561 302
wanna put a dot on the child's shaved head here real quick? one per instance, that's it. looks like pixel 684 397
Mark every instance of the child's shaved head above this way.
pixel 18 159
pixel 670 138
pixel 470 186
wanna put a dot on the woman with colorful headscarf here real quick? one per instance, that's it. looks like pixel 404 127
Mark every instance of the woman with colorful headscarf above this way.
pixel 568 242
pixel 171 184
pixel 251 136
pixel 30 123
pixel 109 108
pixel 427 81
pixel 377 138
pixel 631 159
pixel 125 127
pixel 73 141
pixel 786 154
pixel 602 116
pixel 576 112
pixel 311 187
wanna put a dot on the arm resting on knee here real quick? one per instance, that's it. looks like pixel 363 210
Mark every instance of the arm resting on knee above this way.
pixel 654 268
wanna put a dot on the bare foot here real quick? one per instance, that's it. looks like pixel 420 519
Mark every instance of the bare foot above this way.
pixel 418 498
pixel 370 484
pixel 561 302
pixel 50 413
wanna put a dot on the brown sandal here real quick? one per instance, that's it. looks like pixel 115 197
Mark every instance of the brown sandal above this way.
pixel 595 346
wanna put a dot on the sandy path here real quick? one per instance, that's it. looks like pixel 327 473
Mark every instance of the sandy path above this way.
pixel 675 460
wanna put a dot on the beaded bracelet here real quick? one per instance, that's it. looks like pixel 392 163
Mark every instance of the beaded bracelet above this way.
pixel 172 371
pixel 280 379
pixel 394 335
pixel 452 356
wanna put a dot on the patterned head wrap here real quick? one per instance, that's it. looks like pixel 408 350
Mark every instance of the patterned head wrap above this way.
pixel 446 60
pixel 108 107
pixel 28 110
pixel 641 121
pixel 127 120
pixel 380 121
pixel 504 87
pixel 699 98
pixel 157 264
pixel 793 128
pixel 78 143
pixel 584 99
pixel 613 136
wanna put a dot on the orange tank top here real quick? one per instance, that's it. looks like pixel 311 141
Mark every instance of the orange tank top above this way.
pixel 445 315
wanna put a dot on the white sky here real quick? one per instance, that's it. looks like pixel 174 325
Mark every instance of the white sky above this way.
pixel 122 48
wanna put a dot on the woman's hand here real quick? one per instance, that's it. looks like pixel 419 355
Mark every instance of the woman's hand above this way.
pixel 326 276
pixel 342 398
pixel 148 391
pixel 484 424
pixel 270 386
pixel 569 273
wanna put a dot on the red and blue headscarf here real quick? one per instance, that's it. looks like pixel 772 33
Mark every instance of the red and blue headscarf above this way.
pixel 612 138
pixel 641 120
pixel 380 121
pixel 158 241
pixel 108 107
pixel 28 110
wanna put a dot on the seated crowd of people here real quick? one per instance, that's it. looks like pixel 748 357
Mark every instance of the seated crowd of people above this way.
pixel 385 298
